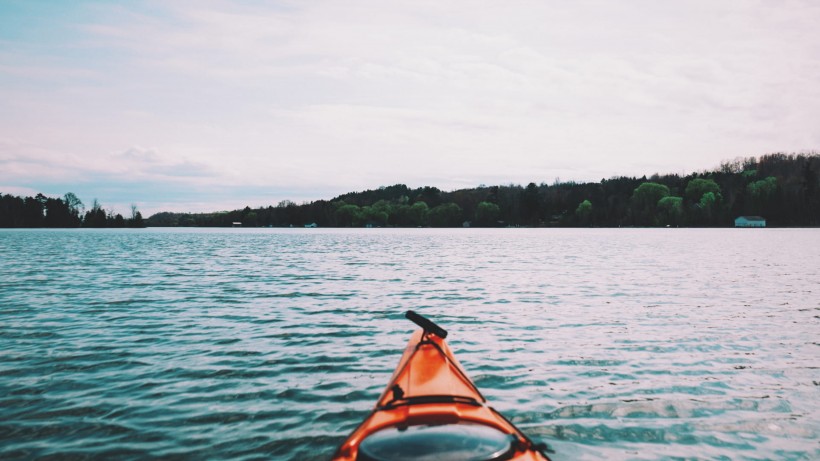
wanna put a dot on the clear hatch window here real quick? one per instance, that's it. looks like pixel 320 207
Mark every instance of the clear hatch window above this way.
pixel 445 442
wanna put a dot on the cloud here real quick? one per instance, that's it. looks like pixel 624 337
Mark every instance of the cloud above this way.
pixel 139 154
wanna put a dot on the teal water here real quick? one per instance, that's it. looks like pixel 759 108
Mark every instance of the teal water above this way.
pixel 274 343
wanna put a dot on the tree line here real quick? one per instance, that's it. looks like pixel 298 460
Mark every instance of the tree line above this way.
pixel 782 188
pixel 66 211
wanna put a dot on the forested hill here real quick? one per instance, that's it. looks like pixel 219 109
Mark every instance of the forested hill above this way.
pixel 782 188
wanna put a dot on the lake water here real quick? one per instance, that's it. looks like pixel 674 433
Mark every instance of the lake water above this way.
pixel 275 343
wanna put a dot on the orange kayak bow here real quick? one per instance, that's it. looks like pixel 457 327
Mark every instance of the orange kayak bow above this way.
pixel 431 410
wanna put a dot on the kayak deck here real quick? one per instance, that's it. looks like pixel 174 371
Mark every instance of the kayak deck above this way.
pixel 431 410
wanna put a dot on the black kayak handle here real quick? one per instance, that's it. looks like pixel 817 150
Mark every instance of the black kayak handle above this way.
pixel 426 324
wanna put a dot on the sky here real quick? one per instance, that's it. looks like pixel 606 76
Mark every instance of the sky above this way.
pixel 212 105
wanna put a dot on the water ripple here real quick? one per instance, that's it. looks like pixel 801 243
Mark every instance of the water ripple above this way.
pixel 275 343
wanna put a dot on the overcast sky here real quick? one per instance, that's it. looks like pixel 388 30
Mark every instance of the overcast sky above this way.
pixel 202 106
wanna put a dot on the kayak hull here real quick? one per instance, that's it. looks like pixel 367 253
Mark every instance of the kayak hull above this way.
pixel 430 391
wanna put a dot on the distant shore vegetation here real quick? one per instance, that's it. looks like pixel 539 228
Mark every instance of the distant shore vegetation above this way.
pixel 66 211
pixel 782 188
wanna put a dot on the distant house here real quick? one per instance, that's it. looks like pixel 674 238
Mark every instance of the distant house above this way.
pixel 750 221
pixel 236 224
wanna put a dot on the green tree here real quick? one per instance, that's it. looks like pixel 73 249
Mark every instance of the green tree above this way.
pixel 486 214
pixel 670 211
pixel 699 186
pixel 763 190
pixel 705 197
pixel 649 193
pixel 708 200
pixel 374 216
pixel 348 215
pixel 762 198
pixel 417 215
pixel 379 213
pixel 383 206
pixel 644 203
pixel 445 215
pixel 584 213
pixel 707 206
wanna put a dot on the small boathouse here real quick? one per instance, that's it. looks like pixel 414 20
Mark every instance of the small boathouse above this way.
pixel 750 221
